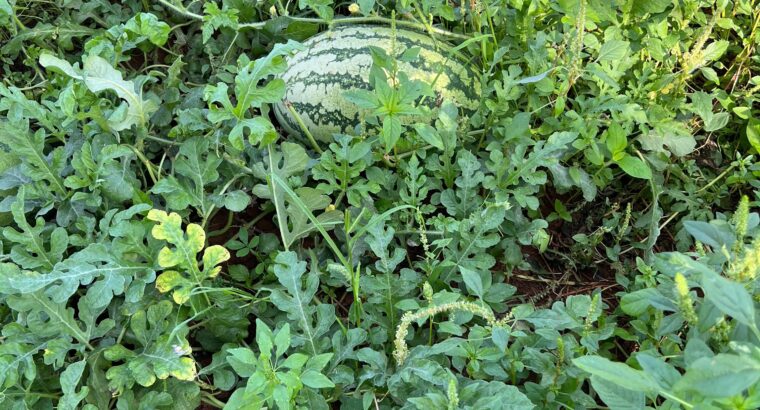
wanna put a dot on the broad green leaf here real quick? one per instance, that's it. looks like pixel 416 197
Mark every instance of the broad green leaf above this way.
pixel 663 373
pixel 473 281
pixel 313 321
pixel 70 379
pixel 29 148
pixel 730 297
pixel 264 338
pixel 282 340
pixel 613 50
pixel 30 250
pixel 236 201
pixel 261 132
pixel 723 375
pixel 715 50
pixel 637 302
pixel 753 133
pixel 616 140
pixel 650 6
pixel 316 380
pixel 148 25
pixel 617 373
pixel 617 397
pixel 98 75
pixel 429 135
pixel 715 235
pixel 243 361
pixel 635 167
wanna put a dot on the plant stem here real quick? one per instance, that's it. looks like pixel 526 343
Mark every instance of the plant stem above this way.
pixel 303 127
pixel 258 217
pixel 345 20
pixel 211 400
pixel 225 228
pixel 718 178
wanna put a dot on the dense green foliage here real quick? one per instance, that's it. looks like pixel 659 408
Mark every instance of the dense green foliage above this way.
pixel 586 238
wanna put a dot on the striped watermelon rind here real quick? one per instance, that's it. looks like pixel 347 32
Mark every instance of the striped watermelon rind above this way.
pixel 339 60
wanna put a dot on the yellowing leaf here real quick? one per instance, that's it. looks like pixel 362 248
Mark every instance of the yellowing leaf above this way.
pixel 186 274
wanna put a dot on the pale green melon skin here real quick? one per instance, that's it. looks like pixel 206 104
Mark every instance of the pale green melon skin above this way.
pixel 339 60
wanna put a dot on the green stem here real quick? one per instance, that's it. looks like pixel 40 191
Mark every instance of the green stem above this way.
pixel 677 399
pixel 303 127
pixel 345 20
pixel 31 393
pixel 18 22
pixel 225 228
pixel 161 140
pixel 258 217
pixel 148 165
pixel 718 178
pixel 211 400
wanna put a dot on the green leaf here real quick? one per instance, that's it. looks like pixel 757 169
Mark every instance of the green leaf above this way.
pixel 313 321
pixel 264 338
pixel 635 167
pixel 663 373
pixel 465 199
pixel 617 373
pixel 723 375
pixel 650 6
pixel 617 397
pixel 98 75
pixel 236 201
pixel 295 218
pixel 148 25
pixel 430 135
pixel 94 266
pixel 316 380
pixel 69 381
pixel 282 340
pixel 323 8
pixel 392 129
pixel 616 140
pixel 637 302
pixel 715 235
pixel 29 148
pixel 678 142
pixel 196 168
pixel 215 18
pixel 295 361
pixel 715 50
pixel 717 121
pixel 261 132
pixel 473 281
pixel 243 361
pixel 753 133
pixel 613 50
pixel 29 250
pixel 730 297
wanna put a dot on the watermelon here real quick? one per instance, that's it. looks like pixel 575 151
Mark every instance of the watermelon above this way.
pixel 339 60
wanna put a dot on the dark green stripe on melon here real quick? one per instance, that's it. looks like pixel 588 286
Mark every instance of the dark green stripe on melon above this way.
pixel 339 60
